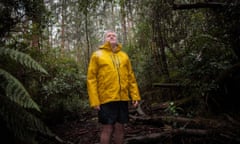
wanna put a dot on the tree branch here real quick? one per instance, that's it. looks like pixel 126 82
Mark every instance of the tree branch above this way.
pixel 198 5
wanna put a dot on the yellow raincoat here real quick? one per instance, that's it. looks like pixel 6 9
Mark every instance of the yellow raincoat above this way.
pixel 110 77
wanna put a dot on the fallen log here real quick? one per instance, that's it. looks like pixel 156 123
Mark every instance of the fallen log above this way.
pixel 209 135
pixel 166 134
pixel 181 121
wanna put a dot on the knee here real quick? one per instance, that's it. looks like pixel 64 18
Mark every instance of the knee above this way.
pixel 107 129
pixel 119 126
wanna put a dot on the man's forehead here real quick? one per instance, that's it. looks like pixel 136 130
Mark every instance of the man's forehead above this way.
pixel 111 33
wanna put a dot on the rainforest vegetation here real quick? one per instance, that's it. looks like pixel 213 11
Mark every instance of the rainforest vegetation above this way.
pixel 185 55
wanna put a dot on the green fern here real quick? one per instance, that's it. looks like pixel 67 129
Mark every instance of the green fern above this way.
pixel 22 58
pixel 21 123
pixel 16 92
pixel 14 98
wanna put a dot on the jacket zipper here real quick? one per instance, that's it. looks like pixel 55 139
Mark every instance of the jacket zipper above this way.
pixel 116 64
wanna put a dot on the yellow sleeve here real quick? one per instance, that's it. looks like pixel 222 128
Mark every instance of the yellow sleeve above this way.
pixel 92 81
pixel 133 86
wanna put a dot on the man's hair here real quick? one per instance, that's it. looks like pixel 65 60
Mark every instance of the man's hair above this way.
pixel 106 32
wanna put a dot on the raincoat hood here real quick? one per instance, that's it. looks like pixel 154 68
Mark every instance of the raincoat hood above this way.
pixel 107 46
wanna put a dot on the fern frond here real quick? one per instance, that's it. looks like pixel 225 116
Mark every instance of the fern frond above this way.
pixel 22 58
pixel 16 92
pixel 24 125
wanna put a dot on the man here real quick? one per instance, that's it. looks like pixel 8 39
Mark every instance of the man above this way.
pixel 111 84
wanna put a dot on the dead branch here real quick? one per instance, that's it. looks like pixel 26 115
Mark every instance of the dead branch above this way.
pixel 166 85
pixel 139 109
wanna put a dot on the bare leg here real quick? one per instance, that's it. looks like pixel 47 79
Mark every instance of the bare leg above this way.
pixel 118 133
pixel 106 134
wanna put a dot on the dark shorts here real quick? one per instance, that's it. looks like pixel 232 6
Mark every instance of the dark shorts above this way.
pixel 113 112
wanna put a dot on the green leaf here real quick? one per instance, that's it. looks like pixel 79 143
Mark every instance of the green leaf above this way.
pixel 16 92
pixel 22 58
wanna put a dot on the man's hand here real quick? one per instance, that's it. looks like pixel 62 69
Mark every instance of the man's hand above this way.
pixel 135 103
pixel 97 107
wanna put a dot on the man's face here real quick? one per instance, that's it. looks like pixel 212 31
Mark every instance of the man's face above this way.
pixel 111 37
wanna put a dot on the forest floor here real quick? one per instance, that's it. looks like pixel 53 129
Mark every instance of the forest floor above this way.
pixel 88 132
pixel 155 129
